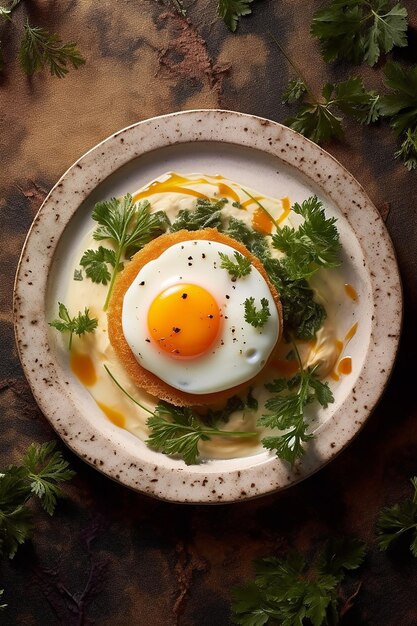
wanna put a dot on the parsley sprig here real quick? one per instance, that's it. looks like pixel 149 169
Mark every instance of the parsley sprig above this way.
pixel 257 317
pixel 313 245
pixel 177 431
pixel 293 592
pixel 39 49
pixel 399 520
pixel 400 106
pixel 237 269
pixel 40 473
pixel 232 10
pixel 286 411
pixel 128 225
pixel 206 214
pixel 79 324
pixel 359 30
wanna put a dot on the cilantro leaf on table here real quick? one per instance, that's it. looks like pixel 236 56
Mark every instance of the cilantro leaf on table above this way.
pixel 39 474
pixel 39 49
pixel 286 412
pixel 129 226
pixel 207 214
pixel 398 520
pixel 318 119
pixel 80 324
pixel 360 30
pixel 254 316
pixel 401 107
pixel 237 269
pixel 311 246
pixel 293 592
pixel 232 10
pixel 95 263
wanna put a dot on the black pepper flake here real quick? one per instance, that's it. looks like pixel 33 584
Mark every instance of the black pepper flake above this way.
pixel 233 286
pixel 233 330
pixel 203 256
pixel 182 247
pixel 190 264
pixel 234 339
pixel 184 296
pixel 176 329
pixel 233 279
pixel 142 283
pixel 225 317
pixel 227 297
pixel 210 316
pixel 190 258
pixel 221 342
pixel 148 340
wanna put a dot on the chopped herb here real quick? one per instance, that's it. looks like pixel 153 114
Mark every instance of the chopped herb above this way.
pixel 78 275
pixel 255 242
pixel 239 268
pixel 359 30
pixel 256 317
pixel 207 214
pixel 80 324
pixel 397 521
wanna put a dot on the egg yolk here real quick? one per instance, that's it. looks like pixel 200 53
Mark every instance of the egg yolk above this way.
pixel 184 320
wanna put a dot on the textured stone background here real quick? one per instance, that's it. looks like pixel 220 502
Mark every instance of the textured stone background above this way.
pixel 110 556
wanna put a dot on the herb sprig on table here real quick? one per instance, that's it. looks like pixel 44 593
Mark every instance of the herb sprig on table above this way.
pixel 40 49
pixel 399 520
pixel 39 475
pixel 293 592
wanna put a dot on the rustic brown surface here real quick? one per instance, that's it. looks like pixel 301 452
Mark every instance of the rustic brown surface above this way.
pixel 110 556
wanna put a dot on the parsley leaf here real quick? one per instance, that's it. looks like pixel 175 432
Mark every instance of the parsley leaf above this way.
pixel 79 325
pixel 45 470
pixel 398 520
pixel 401 107
pixel 207 214
pixel 293 592
pixel 40 49
pixel 314 244
pixel 95 264
pixel 177 431
pixel 295 89
pixel 319 119
pixel 255 317
pixel 303 316
pixel 359 30
pixel 287 412
pixel 231 10
pixel 239 268
pixel 39 474
pixel 129 226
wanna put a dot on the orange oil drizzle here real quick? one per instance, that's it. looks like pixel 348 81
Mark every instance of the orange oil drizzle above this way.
pixel 261 222
pixel 174 183
pixel 226 191
pixel 286 208
pixel 114 416
pixel 351 292
pixel 83 367
pixel 344 366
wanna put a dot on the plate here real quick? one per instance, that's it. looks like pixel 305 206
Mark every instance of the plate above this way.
pixel 260 154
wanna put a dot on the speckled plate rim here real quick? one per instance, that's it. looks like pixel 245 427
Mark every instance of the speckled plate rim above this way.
pixel 205 483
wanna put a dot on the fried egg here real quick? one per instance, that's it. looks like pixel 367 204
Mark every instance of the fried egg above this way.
pixel 183 318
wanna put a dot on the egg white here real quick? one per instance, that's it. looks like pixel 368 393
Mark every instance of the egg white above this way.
pixel 240 351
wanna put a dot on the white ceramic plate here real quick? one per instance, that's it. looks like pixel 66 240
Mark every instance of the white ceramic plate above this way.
pixel 260 154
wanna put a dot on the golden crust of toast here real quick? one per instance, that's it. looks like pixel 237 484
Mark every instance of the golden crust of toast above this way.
pixel 141 377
